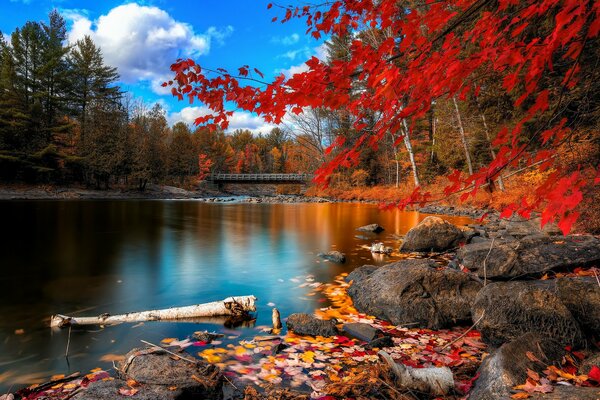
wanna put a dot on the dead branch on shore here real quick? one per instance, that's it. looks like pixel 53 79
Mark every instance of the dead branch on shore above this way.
pixel 234 306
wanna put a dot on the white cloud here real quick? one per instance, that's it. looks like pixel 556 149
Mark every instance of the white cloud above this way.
pixel 320 52
pixel 239 119
pixel 143 41
pixel 286 40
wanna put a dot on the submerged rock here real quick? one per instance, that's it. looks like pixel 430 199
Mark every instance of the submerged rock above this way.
pixel 432 234
pixel 375 228
pixel 414 292
pixel 334 256
pixel 507 366
pixel 502 260
pixel 304 324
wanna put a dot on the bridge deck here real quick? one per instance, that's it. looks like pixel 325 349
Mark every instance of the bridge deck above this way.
pixel 259 178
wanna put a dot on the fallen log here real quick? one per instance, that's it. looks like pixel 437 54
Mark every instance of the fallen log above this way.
pixel 434 380
pixel 235 306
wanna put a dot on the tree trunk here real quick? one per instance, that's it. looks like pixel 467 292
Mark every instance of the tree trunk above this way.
pixel 229 306
pixel 411 155
pixel 463 137
pixel 487 136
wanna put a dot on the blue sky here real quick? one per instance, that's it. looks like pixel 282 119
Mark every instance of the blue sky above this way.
pixel 142 38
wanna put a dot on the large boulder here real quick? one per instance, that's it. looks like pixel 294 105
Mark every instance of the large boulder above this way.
pixel 561 392
pixel 582 297
pixel 160 368
pixel 432 234
pixel 375 228
pixel 502 260
pixel 507 366
pixel 304 324
pixel 414 292
pixel 334 256
pixel 506 310
pixel 159 375
pixel 110 390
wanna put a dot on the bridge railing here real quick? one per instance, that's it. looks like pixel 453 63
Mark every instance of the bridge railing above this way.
pixel 259 177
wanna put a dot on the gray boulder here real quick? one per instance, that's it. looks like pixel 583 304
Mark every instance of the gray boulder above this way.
pixel 582 297
pixel 103 390
pixel 507 366
pixel 414 292
pixel 432 234
pixel 360 331
pixel 506 310
pixel 381 248
pixel 561 392
pixel 155 371
pixel 334 256
pixel 304 324
pixel 375 228
pixel 503 260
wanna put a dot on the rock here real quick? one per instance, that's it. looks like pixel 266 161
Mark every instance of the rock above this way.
pixel 507 366
pixel 432 234
pixel 109 390
pixel 593 360
pixel 519 227
pixel 529 257
pixel 414 292
pixel 561 392
pixel 334 256
pixel 361 272
pixel 381 248
pixel 304 324
pixel 582 297
pixel 506 310
pixel 205 336
pixel 380 343
pixel 160 368
pixel 375 228
pixel 364 332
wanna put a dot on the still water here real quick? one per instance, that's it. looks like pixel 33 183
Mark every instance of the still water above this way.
pixel 89 257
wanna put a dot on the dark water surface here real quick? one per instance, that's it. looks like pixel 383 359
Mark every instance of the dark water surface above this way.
pixel 90 257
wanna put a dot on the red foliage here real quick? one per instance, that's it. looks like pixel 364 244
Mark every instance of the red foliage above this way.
pixel 204 166
pixel 428 45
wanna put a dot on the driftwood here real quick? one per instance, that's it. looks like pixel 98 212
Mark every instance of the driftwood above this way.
pixel 437 381
pixel 234 306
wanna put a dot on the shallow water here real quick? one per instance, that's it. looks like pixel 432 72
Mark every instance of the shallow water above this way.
pixel 90 257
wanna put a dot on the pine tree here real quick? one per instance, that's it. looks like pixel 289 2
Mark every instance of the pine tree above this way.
pixel 91 79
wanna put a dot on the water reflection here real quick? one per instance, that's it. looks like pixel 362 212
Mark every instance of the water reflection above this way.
pixel 90 257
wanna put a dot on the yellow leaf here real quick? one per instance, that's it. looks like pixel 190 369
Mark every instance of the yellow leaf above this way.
pixel 168 340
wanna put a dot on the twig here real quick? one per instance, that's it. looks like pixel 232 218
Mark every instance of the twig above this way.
pixel 396 390
pixel 183 358
pixel 484 262
pixel 464 334
pixel 170 352
pixel 68 343
pixel 596 275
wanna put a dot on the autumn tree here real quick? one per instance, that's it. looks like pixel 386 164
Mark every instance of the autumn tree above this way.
pixel 544 53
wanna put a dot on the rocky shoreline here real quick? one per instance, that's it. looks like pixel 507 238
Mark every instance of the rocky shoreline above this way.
pixel 530 294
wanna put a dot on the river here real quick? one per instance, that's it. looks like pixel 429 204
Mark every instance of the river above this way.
pixel 91 257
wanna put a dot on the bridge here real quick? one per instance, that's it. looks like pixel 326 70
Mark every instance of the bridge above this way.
pixel 259 178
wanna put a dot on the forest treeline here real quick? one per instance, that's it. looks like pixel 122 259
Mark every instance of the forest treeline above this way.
pixel 64 119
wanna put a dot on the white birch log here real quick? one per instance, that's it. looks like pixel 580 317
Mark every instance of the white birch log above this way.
pixel 434 380
pixel 229 306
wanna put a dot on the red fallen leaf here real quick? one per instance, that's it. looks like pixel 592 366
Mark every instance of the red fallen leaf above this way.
pixel 579 355
pixel 533 375
pixel 127 391
pixel 200 343
pixel 594 374
pixel 532 356
pixel 465 386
